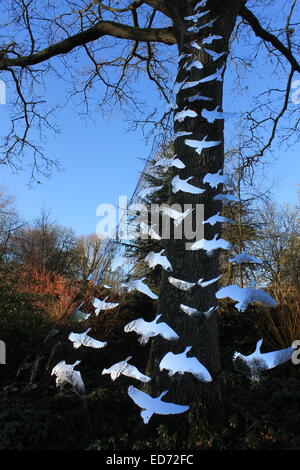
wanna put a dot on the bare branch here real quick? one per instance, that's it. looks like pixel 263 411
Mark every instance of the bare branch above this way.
pixel 262 33
pixel 102 28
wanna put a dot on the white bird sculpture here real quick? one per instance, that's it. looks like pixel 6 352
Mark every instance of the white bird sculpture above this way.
pixel 256 362
pixel 65 373
pixel 151 406
pixel 123 368
pixel 148 230
pixel 182 115
pixel 177 216
pixel 148 191
pixel 196 64
pixel 197 97
pixel 180 363
pixel 194 312
pixel 200 4
pixel 190 311
pixel 214 179
pixel 140 286
pixel 179 134
pixel 211 38
pixel 82 339
pixel 203 283
pixel 218 76
pixel 195 45
pixel 179 184
pixel 196 16
pixel 103 305
pixel 210 245
pixel 167 163
pixel 199 145
pixel 196 29
pixel 150 329
pixel 244 258
pixel 154 259
pixel 217 218
pixel 182 285
pixel 245 296
pixel 212 116
pixel 80 316
pixel 215 55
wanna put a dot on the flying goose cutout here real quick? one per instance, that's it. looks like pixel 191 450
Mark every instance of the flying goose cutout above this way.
pixel 65 373
pixel 147 330
pixel 82 339
pixel 123 368
pixel 253 364
pixel 154 259
pixel 245 296
pixel 151 406
pixel 181 364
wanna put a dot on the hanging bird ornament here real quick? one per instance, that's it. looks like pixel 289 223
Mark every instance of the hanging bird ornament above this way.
pixel 82 339
pixel 151 406
pixel 65 373
pixel 181 364
pixel 123 368
pixel 253 364
pixel 147 330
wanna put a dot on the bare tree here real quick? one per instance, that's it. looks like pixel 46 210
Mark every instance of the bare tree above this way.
pixel 122 39
pixel 90 256
pixel 9 223
pixel 277 246
pixel 46 246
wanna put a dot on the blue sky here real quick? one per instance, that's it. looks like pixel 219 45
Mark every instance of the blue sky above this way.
pixel 102 161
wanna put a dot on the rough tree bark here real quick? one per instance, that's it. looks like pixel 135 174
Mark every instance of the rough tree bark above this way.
pixel 205 400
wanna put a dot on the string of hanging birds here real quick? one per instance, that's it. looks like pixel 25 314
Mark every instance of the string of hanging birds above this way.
pixel 180 363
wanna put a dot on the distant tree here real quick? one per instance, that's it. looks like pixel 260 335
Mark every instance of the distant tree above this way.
pixel 46 246
pixel 244 213
pixel 277 245
pixel 9 223
pixel 90 256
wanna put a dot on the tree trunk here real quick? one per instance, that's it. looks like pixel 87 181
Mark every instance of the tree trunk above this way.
pixel 201 333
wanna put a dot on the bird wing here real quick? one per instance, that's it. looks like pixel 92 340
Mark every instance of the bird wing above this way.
pixel 132 371
pixel 138 326
pixel 165 263
pixel 108 305
pixel 142 399
pixel 165 408
pixel 195 367
pixel 259 295
pixel 77 382
pixel 59 368
pixel 183 285
pixel 207 283
pixel 274 358
pixel 73 337
pixel 141 287
pixel 233 292
pixel 94 343
pixel 166 331
pixel 189 310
